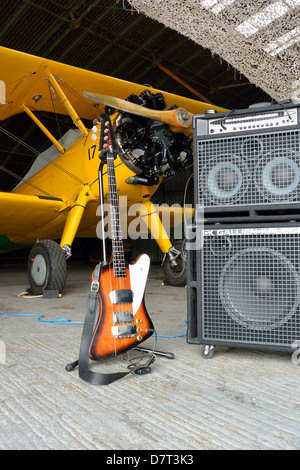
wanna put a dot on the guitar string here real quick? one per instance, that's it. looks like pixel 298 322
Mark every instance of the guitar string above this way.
pixel 119 261
pixel 119 270
pixel 109 267
pixel 119 266
pixel 116 267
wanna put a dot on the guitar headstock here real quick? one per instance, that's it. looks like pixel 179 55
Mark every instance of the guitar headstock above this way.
pixel 107 139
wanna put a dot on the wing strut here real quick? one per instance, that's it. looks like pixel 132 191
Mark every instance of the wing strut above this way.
pixel 43 128
pixel 76 119
pixel 74 218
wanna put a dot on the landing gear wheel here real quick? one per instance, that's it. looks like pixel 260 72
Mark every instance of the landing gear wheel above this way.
pixel 47 267
pixel 175 274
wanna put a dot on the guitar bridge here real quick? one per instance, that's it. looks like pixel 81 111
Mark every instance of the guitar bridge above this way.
pixel 126 331
pixel 123 317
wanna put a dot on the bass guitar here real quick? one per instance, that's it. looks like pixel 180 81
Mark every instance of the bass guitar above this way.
pixel 123 322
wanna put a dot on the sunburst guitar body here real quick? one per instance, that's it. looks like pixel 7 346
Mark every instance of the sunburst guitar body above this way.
pixel 123 322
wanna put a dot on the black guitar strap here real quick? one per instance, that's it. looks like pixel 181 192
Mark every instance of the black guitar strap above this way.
pixel 94 378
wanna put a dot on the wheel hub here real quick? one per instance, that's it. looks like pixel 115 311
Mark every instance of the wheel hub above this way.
pixel 39 269
pixel 178 268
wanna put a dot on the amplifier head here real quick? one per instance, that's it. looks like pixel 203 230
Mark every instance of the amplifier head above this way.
pixel 248 159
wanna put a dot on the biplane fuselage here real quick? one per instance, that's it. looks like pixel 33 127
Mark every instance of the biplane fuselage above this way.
pixel 56 181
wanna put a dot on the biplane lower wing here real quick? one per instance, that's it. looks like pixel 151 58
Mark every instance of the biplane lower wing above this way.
pixel 22 216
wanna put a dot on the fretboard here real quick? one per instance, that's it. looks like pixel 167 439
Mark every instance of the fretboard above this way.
pixel 116 232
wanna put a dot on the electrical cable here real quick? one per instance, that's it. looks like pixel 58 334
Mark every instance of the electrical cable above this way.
pixel 183 248
pixel 54 321
pixel 140 364
pixel 64 321
pixel 184 196
pixel 174 336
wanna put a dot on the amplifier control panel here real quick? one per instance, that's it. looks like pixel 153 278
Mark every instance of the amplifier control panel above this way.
pixel 253 121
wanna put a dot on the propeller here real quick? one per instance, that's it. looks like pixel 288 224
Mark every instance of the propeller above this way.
pixel 178 117
pixel 2 92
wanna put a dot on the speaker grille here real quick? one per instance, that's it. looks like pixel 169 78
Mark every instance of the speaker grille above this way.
pixel 248 170
pixel 250 286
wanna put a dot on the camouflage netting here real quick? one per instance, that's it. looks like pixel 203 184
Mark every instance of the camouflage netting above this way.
pixel 259 38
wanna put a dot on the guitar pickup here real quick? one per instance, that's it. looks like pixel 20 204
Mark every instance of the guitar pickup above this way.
pixel 121 296
pixel 123 317
pixel 126 331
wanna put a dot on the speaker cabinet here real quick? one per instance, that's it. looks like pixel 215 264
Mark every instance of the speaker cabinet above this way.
pixel 243 287
pixel 247 163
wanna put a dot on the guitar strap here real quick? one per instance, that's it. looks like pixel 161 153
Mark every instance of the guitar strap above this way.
pixel 98 378
pixel 94 378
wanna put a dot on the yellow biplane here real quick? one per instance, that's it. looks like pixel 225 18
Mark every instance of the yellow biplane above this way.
pixel 59 196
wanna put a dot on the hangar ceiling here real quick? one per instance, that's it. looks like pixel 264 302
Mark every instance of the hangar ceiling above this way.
pixel 112 38
pixel 258 37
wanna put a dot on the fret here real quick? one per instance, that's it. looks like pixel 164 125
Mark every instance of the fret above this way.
pixel 119 265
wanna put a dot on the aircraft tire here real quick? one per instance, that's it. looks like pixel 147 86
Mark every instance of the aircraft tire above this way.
pixel 175 276
pixel 47 267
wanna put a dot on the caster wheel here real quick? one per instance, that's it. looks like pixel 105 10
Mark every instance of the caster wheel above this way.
pixel 207 352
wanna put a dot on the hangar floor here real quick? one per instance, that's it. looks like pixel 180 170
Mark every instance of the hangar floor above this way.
pixel 239 399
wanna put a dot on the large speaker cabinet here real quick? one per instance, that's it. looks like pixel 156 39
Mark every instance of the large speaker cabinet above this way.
pixel 244 287
pixel 247 163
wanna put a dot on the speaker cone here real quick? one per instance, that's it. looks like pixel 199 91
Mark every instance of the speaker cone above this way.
pixel 259 288
pixel 225 181
pixel 278 176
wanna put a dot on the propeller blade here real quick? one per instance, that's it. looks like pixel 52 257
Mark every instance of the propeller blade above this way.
pixel 178 117
pixel 2 92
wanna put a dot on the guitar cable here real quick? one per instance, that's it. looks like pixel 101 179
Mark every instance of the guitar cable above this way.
pixel 54 321
pixel 138 365
pixel 135 363
pixel 64 321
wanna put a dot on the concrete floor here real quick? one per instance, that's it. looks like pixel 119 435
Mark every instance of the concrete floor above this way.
pixel 239 399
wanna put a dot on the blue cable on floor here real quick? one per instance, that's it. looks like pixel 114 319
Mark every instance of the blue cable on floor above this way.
pixel 63 321
pixel 174 336
pixel 56 321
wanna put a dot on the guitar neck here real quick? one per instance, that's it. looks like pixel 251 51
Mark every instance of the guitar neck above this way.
pixel 116 232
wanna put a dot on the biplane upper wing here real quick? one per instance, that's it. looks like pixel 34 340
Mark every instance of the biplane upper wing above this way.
pixel 24 215
pixel 25 79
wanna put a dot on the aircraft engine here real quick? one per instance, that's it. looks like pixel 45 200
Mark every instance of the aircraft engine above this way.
pixel 149 147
